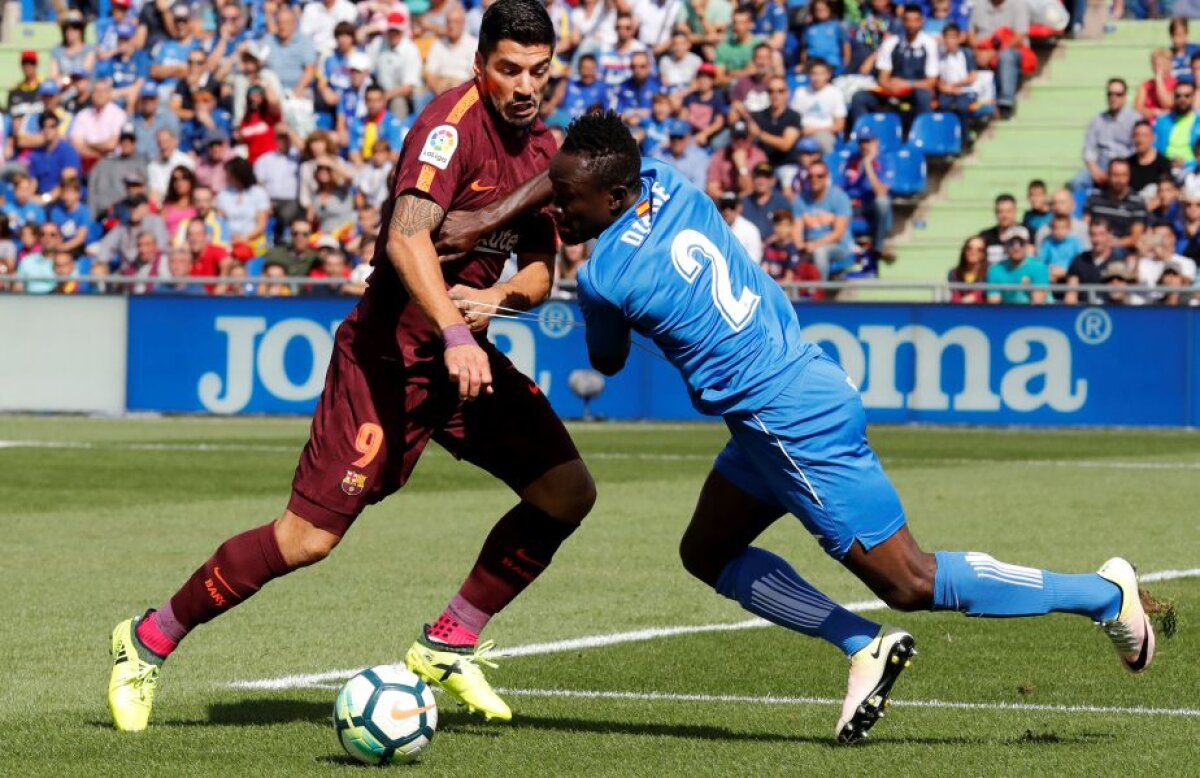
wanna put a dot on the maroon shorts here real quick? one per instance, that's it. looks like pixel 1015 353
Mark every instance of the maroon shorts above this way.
pixel 376 416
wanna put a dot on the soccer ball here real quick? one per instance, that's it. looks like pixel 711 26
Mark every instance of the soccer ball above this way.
pixel 385 714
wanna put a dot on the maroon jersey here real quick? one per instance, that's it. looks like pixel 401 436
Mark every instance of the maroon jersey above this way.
pixel 462 157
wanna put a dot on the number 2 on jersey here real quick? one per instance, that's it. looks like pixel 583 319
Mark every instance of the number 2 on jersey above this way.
pixel 368 443
pixel 689 251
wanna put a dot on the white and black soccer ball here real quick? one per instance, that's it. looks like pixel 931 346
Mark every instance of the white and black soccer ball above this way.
pixel 385 714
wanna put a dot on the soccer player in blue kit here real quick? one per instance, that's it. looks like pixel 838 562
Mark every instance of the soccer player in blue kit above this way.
pixel 666 266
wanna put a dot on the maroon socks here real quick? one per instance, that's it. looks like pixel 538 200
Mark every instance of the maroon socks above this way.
pixel 516 551
pixel 240 567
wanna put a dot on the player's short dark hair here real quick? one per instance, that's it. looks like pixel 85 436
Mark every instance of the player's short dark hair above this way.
pixel 608 150
pixel 521 21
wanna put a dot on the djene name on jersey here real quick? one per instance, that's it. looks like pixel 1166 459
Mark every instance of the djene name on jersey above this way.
pixel 640 227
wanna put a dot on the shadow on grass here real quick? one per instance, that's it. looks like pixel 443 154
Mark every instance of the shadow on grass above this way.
pixel 252 712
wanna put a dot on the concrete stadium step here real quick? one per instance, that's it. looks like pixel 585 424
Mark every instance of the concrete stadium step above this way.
pixel 41 36
pixel 1043 141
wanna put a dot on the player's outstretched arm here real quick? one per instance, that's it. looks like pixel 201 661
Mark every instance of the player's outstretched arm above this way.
pixel 411 252
pixel 529 287
pixel 608 335
pixel 461 230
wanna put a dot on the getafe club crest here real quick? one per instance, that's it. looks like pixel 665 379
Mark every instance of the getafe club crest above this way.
pixel 353 483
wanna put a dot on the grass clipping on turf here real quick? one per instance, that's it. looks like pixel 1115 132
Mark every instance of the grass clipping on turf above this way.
pixel 1162 612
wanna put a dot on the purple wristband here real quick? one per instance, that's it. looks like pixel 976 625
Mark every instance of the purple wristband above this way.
pixel 458 335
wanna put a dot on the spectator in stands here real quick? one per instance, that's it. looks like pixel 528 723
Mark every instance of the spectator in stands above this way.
pixel 168 158
pixel 781 256
pixel 26 131
pixel 1164 203
pixel 214 151
pixel 120 246
pixel 179 268
pixel 277 271
pixel 957 74
pixel 1176 132
pixel 574 97
pixel 73 219
pixel 729 170
pixel 257 128
pixel 825 38
pixel 1146 164
pixel 147 261
pixel 972 268
pixel 770 22
pixel 278 171
pixel 233 285
pixel 375 122
pixel 46 164
pixel 108 179
pixel 734 55
pixel 652 132
pixel 678 67
pixel 97 128
pixel 823 223
pixel 128 67
pixel 332 206
pixel 1059 249
pixel 1123 210
pixel 452 56
pixel 370 180
pixel 1161 255
pixel 745 232
pixel 65 273
pixel 1018 268
pixel 1188 228
pixel 707 23
pixel 106 29
pixel 809 152
pixel 764 200
pixel 199 79
pixel 215 227
pixel 36 268
pixel 634 97
pixel 74 52
pixel 705 107
pixel 177 205
pixel 1182 50
pixel 749 92
pixel 1109 136
pixel 245 205
pixel 291 57
pixel 682 153
pixel 296 256
pixel 320 21
pixel 1038 214
pixel 1005 208
pixel 615 60
pixel 208 260
pixel 821 106
pixel 1062 203
pixel 594 25
pixel 907 71
pixel 169 56
pixel 999 30
pixel 398 66
pixel 1089 267
pixel 863 181
pixel 655 20
pixel 333 265
pixel 149 118
pixel 23 208
pixel 1154 95
pixel 876 24
pixel 776 129
pixel 23 98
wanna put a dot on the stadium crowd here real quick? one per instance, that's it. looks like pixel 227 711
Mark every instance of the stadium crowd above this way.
pixel 1130 217
pixel 221 139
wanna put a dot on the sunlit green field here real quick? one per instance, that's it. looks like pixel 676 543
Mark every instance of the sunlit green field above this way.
pixel 110 519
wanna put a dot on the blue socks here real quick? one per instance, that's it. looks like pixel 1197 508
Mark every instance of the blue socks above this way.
pixel 767 586
pixel 978 585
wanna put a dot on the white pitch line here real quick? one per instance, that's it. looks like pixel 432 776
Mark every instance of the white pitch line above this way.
pixel 772 700
pixel 319 680
pixel 649 456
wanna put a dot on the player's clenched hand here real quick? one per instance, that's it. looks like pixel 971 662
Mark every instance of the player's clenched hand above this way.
pixel 476 305
pixel 468 365
pixel 459 233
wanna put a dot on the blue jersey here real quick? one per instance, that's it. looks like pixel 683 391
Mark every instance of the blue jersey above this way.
pixel 579 97
pixel 671 269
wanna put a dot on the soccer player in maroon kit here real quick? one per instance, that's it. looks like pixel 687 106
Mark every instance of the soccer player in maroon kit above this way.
pixel 407 366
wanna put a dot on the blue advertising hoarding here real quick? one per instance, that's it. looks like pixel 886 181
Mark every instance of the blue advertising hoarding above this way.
pixel 1038 365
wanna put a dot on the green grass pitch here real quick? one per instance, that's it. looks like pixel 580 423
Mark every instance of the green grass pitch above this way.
pixel 111 522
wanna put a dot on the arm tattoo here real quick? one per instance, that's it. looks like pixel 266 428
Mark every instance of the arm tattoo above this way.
pixel 412 214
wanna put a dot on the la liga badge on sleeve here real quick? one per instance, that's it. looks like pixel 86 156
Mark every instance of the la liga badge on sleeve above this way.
pixel 440 146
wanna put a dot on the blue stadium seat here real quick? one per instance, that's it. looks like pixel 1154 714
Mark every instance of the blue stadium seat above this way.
pixel 254 267
pixel 886 127
pixel 937 134
pixel 904 171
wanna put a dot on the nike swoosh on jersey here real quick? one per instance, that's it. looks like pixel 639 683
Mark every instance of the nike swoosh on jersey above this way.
pixel 478 187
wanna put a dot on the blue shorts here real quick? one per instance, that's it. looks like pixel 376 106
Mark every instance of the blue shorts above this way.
pixel 807 453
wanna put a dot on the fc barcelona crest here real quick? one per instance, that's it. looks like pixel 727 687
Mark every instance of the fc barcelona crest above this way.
pixel 353 483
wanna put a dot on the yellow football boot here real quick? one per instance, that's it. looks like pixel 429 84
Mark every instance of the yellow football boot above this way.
pixel 134 679
pixel 457 671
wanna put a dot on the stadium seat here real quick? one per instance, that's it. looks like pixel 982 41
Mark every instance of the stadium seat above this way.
pixel 886 127
pixel 904 171
pixel 254 267
pixel 937 134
